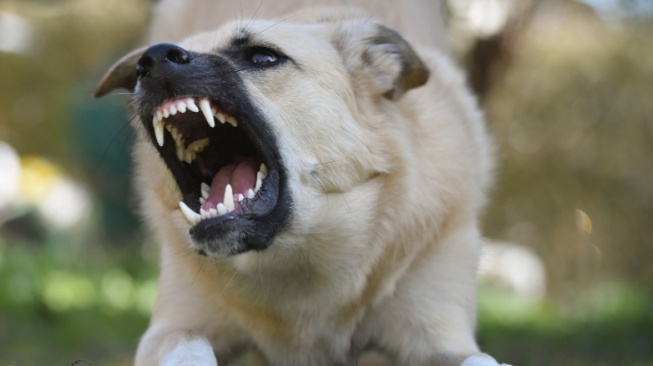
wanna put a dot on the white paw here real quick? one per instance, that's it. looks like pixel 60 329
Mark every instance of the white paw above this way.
pixel 194 352
pixel 481 359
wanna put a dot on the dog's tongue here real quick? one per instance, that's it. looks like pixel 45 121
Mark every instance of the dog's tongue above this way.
pixel 241 176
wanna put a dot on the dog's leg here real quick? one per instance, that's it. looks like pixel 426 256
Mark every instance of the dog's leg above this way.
pixel 188 350
pixel 481 359
pixel 174 348
pixel 430 319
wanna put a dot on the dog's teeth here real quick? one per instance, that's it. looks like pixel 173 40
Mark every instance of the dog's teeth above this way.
pixel 181 106
pixel 180 152
pixel 232 121
pixel 165 112
pixel 259 183
pixel 205 189
pixel 158 130
pixel 263 169
pixel 229 198
pixel 190 104
pixel 173 109
pixel 205 107
pixel 222 209
pixel 199 145
pixel 188 157
pixel 221 117
pixel 250 193
pixel 191 216
pixel 204 213
pixel 202 200
pixel 240 197
pixel 159 115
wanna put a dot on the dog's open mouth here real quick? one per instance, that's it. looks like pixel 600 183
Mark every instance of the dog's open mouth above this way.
pixel 225 167
pixel 218 165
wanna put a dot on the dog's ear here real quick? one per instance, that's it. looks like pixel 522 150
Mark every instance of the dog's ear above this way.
pixel 382 59
pixel 122 75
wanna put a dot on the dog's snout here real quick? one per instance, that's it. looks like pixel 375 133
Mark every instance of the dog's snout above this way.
pixel 162 55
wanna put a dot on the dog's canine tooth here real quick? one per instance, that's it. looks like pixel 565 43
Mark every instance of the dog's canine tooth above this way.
pixel 159 114
pixel 157 124
pixel 250 193
pixel 232 121
pixel 191 216
pixel 221 117
pixel 222 209
pixel 205 107
pixel 190 104
pixel 263 169
pixel 259 183
pixel 229 198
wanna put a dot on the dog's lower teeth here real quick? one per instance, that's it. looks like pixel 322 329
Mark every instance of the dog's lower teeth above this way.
pixel 229 198
pixel 222 209
pixel 191 216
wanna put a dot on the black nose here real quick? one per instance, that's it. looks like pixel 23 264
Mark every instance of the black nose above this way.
pixel 161 55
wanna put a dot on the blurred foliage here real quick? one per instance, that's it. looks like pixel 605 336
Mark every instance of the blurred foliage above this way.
pixel 573 119
pixel 570 107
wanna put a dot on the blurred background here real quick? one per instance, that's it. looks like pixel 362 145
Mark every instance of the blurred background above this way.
pixel 567 87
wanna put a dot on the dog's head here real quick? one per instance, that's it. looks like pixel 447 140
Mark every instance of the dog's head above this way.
pixel 259 123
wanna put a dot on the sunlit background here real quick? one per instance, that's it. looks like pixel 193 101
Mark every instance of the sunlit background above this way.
pixel 568 91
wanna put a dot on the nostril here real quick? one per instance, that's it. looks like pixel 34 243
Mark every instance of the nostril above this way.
pixel 159 55
pixel 178 55
pixel 144 65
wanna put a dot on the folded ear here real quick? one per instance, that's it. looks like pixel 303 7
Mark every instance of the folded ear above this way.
pixel 122 75
pixel 381 59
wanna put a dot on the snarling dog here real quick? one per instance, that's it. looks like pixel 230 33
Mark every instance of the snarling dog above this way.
pixel 314 185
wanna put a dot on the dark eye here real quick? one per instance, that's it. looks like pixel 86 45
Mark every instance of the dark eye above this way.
pixel 262 57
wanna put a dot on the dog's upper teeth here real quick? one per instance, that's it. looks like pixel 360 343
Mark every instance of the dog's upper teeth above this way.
pixel 221 117
pixel 232 121
pixel 181 106
pixel 190 104
pixel 205 107
pixel 158 129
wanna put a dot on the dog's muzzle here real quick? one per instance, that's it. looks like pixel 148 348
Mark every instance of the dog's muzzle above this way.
pixel 218 146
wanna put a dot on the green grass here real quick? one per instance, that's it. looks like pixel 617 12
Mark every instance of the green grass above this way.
pixel 61 303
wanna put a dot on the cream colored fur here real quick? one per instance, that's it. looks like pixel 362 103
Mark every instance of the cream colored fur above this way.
pixel 382 249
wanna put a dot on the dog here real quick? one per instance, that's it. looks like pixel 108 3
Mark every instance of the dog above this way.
pixel 314 184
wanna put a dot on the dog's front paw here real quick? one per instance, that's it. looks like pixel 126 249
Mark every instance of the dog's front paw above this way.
pixel 193 352
pixel 481 360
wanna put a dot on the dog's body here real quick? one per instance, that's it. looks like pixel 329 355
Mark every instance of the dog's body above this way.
pixel 364 234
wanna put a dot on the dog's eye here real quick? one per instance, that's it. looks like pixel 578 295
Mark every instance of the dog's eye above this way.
pixel 262 57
